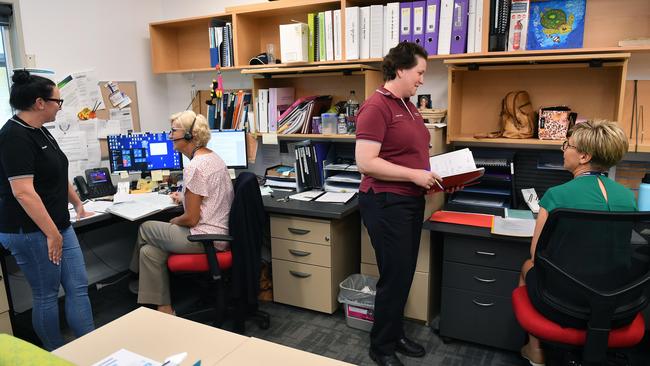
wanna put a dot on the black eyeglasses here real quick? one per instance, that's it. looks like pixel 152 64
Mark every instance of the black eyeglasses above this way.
pixel 566 145
pixel 174 129
pixel 58 101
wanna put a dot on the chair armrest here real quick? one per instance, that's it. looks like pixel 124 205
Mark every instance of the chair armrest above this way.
pixel 213 263
pixel 209 237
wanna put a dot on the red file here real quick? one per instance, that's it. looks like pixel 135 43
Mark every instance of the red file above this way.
pixel 463 218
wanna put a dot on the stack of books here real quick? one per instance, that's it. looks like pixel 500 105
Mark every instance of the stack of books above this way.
pixel 221 48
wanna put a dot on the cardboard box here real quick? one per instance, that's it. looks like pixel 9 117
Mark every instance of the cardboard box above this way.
pixel 294 42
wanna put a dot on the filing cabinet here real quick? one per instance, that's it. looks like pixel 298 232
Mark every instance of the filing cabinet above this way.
pixel 311 257
pixel 478 277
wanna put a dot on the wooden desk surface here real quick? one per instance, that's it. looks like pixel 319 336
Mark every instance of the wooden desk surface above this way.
pixel 260 352
pixel 154 335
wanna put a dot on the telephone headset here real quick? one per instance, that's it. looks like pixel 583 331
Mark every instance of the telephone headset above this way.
pixel 188 134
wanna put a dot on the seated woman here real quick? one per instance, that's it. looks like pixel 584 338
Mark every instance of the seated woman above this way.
pixel 207 196
pixel 592 148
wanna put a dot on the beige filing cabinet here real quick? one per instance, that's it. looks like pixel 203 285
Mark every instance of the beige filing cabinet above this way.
pixel 422 303
pixel 5 323
pixel 311 257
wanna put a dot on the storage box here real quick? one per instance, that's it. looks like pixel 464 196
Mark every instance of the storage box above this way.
pixel 328 121
pixel 294 42
pixel 554 122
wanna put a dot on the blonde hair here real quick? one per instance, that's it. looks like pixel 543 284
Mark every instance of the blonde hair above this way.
pixel 604 140
pixel 200 131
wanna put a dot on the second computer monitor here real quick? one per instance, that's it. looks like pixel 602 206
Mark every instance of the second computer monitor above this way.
pixel 142 152
pixel 230 146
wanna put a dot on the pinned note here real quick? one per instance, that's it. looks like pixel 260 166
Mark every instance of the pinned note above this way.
pixel 270 138
pixel 156 175
pixel 124 174
pixel 165 173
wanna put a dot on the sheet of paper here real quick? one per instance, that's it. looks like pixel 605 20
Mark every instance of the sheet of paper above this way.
pixel 156 175
pixel 125 118
pixel 306 196
pixel 126 358
pixel 73 144
pixel 90 128
pixel 452 163
pixel 107 127
pixel 124 174
pixel 79 90
pixel 97 206
pixel 336 197
pixel 269 138
pixel 513 227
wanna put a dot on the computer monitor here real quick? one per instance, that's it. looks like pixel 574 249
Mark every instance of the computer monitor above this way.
pixel 230 145
pixel 143 152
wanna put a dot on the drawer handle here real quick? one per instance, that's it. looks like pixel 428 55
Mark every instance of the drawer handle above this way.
pixel 300 274
pixel 299 231
pixel 483 304
pixel 299 253
pixel 489 254
pixel 485 280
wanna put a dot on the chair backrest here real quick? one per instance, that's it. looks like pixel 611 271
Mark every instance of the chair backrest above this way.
pixel 587 256
pixel 247 224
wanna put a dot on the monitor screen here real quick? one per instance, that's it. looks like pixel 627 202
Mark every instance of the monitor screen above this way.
pixel 230 146
pixel 142 152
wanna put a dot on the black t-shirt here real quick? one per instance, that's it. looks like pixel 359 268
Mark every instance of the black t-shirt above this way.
pixel 26 151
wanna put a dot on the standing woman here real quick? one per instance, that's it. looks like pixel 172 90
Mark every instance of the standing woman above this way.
pixel 392 152
pixel 34 218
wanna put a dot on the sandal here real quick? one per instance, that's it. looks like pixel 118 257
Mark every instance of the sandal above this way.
pixel 534 356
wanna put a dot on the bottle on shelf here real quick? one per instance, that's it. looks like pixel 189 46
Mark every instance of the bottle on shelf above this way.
pixel 644 193
pixel 341 125
pixel 352 106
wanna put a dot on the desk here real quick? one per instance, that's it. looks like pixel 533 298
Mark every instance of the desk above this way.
pixel 479 273
pixel 154 335
pixel 314 246
pixel 157 336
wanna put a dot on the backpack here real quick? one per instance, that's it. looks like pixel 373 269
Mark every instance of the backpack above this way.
pixel 517 117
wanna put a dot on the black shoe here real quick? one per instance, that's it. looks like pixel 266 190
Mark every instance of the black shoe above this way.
pixel 409 348
pixel 385 360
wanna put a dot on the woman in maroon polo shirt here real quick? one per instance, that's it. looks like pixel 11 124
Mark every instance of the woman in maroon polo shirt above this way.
pixel 392 152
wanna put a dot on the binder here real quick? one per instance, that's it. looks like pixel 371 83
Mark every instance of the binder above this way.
pixel 376 31
pixel 418 22
pixel 478 40
pixel 444 32
pixel 405 21
pixel 463 218
pixel 471 26
pixel 352 33
pixel 499 24
pixel 311 38
pixel 459 27
pixel 391 26
pixel 431 27
pixel 317 40
pixel 364 32
pixel 338 54
pixel 329 36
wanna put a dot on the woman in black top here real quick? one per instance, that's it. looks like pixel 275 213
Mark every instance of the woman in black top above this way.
pixel 34 218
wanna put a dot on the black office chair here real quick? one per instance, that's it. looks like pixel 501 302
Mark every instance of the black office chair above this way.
pixel 594 268
pixel 233 274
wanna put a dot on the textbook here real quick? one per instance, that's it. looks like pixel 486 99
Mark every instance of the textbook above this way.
pixel 457 168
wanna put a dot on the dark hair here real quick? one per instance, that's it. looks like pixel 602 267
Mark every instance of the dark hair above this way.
pixel 27 88
pixel 401 57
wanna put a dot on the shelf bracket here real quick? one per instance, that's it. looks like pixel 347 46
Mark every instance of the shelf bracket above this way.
pixel 472 66
pixel 597 62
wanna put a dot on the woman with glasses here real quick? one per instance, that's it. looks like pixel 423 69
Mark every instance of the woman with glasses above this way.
pixel 34 218
pixel 207 196
pixel 592 148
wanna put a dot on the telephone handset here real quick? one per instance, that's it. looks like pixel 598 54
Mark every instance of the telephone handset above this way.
pixel 97 183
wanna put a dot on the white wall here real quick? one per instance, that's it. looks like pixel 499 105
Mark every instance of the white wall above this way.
pixel 111 37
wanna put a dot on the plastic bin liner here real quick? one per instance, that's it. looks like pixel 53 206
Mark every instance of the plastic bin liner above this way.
pixel 351 290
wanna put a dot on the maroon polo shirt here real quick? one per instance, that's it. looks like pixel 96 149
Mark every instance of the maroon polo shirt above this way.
pixel 399 127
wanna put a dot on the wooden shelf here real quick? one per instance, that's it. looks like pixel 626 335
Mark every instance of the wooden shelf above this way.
pixel 531 143
pixel 307 68
pixel 302 136
pixel 540 59
pixel 567 51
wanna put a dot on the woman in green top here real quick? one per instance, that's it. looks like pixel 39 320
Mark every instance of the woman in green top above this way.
pixel 592 148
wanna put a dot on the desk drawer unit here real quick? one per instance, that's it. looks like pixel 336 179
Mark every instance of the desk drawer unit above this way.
pixel 311 257
pixel 480 318
pixel 301 229
pixel 478 277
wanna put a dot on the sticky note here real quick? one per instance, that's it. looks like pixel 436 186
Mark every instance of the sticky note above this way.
pixel 124 174
pixel 270 138
pixel 165 173
pixel 156 175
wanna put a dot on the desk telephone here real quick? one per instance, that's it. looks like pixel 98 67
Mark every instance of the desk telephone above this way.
pixel 97 183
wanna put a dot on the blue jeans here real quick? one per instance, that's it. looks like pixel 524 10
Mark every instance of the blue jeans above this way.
pixel 45 277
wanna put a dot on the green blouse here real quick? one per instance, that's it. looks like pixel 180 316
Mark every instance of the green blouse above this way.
pixel 584 193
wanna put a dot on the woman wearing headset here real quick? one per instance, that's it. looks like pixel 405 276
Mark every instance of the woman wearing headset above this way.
pixel 207 196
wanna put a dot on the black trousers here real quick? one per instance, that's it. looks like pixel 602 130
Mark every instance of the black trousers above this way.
pixel 394 225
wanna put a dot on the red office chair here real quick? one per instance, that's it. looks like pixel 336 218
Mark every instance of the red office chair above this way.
pixel 238 269
pixel 591 266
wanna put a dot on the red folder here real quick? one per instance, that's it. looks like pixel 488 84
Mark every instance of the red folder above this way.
pixel 462 179
pixel 463 218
